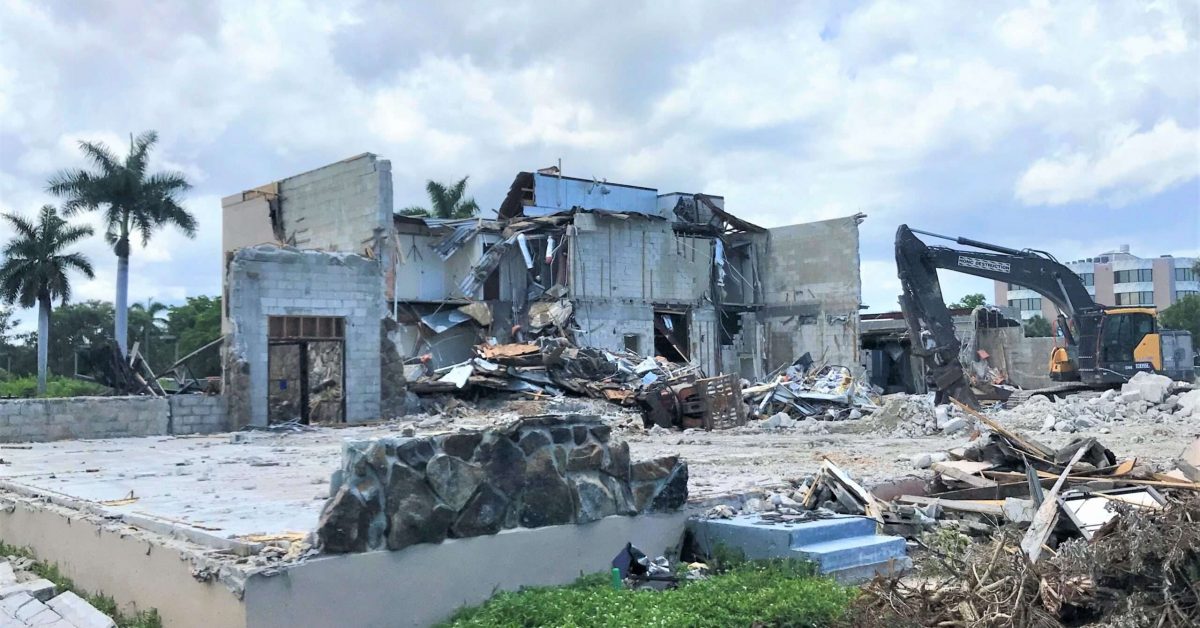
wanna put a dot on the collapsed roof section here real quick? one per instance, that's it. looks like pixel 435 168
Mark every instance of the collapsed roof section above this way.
pixel 547 192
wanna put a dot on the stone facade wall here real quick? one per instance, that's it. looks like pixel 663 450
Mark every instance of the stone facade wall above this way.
pixel 539 471
pixel 40 420
pixel 198 414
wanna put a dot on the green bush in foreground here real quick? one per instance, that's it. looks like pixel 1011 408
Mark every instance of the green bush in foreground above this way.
pixel 26 387
pixel 754 594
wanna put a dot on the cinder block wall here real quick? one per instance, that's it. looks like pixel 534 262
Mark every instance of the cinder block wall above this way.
pixel 40 420
pixel 281 281
pixel 198 414
pixel 640 260
pixel 339 207
pixel 813 290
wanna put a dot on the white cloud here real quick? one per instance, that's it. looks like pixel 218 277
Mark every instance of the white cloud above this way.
pixel 1129 165
pixel 917 111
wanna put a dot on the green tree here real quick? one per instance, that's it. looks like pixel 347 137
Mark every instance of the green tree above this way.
pixel 446 201
pixel 1184 314
pixel 133 200
pixel 970 302
pixel 35 271
pixel 147 324
pixel 1037 327
pixel 195 324
pixel 79 326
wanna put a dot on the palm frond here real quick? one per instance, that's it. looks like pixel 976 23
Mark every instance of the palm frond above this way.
pixel 100 155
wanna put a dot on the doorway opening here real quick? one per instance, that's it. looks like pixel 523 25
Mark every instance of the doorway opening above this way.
pixel 306 369
pixel 671 335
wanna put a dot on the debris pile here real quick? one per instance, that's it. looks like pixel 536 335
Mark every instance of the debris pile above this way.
pixel 1146 398
pixel 1139 569
pixel 668 394
pixel 804 391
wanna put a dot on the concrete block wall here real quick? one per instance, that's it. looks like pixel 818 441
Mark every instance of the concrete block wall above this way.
pixel 40 420
pixel 340 207
pixel 813 288
pixel 641 259
pixel 198 414
pixel 282 281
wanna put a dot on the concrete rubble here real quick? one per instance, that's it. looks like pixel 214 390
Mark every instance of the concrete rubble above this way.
pixel 29 600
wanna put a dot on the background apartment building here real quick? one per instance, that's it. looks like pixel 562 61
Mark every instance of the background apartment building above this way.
pixel 1115 278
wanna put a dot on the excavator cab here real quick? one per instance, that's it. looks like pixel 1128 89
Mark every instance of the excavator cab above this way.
pixel 1128 342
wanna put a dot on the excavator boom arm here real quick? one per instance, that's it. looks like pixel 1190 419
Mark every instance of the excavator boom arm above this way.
pixel 929 322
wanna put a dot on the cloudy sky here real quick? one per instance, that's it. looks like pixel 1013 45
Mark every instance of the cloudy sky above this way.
pixel 1069 127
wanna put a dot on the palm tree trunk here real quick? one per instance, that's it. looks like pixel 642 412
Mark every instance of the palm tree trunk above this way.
pixel 121 316
pixel 43 340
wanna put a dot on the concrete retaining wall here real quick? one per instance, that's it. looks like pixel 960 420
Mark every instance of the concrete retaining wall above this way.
pixel 39 420
pixel 423 584
pixel 381 588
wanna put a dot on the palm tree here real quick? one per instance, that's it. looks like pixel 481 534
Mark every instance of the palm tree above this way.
pixel 147 320
pixel 447 201
pixel 35 270
pixel 132 199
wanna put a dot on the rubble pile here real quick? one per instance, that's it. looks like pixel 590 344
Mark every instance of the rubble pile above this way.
pixel 1146 398
pixel 804 391
pixel 1140 570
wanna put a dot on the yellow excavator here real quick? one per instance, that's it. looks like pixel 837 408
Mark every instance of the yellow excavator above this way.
pixel 1104 346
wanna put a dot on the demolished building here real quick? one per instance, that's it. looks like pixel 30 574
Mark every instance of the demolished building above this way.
pixel 320 259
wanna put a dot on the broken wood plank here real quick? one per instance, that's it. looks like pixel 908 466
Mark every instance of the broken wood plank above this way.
pixel 1030 446
pixel 1189 486
pixel 1047 515
pixel 965 471
pixel 982 507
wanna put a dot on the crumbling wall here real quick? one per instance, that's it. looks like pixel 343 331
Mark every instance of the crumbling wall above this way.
pixel 813 289
pixel 638 259
pixel 538 471
pixel 345 206
pixel 1026 361
pixel 282 281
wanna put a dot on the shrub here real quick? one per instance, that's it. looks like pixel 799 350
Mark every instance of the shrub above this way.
pixel 772 593
pixel 56 386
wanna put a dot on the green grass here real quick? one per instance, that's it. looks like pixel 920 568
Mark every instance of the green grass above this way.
pixel 103 603
pixel 56 386
pixel 772 593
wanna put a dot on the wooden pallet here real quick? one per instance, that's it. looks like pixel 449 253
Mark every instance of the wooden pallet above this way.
pixel 723 406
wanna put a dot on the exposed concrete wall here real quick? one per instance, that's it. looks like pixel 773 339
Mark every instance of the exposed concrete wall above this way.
pixel 346 590
pixel 198 414
pixel 40 420
pixel 1105 293
pixel 345 206
pixel 119 562
pixel 275 281
pixel 1163 270
pixel 638 259
pixel 812 292
pixel 1026 360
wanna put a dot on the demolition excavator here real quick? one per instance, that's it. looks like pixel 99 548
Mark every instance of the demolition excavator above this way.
pixel 1104 346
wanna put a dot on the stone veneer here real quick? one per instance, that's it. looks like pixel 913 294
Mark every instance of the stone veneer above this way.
pixel 538 471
